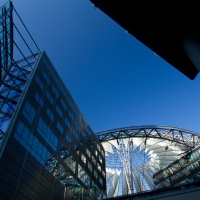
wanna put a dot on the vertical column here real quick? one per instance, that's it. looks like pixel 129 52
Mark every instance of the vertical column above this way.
pixel 125 153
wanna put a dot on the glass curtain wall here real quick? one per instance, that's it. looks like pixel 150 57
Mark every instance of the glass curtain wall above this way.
pixel 6 38
pixel 11 88
pixel 182 171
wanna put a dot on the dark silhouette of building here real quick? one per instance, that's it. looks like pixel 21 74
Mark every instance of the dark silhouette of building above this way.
pixel 169 29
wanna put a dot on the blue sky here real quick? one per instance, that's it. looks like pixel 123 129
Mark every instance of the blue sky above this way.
pixel 115 80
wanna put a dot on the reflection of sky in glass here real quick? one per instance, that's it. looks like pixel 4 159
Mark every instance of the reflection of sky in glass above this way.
pixel 6 35
pixel 11 90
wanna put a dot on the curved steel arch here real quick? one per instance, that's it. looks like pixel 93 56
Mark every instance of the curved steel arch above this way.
pixel 173 134
pixel 134 154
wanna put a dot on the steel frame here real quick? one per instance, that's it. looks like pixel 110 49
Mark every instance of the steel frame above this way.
pixel 182 137
pixel 125 155
pixel 13 75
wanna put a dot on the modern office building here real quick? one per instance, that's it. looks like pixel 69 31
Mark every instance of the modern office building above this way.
pixel 47 148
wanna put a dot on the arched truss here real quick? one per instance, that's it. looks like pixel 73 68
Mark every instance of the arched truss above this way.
pixel 135 153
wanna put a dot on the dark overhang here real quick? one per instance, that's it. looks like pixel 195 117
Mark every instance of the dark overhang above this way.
pixel 165 27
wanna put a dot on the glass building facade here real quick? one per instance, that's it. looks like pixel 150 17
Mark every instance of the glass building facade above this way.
pixel 47 148
pixel 6 37
pixel 180 172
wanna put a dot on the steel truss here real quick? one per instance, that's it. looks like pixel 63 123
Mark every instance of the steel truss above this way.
pixel 183 138
pixel 141 151
pixel 13 74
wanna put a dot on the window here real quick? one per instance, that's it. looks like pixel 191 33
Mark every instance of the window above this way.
pixel 103 173
pixel 39 99
pixel 46 77
pixel 89 166
pixel 64 152
pixel 82 143
pixel 47 134
pixel 98 147
pixel 63 104
pixel 101 181
pixel 49 97
pixel 95 174
pixel 71 115
pixel 94 160
pixel 29 112
pixel 99 167
pixel 100 159
pixel 75 134
pixel 31 143
pixel 88 152
pixel 3 126
pixel 102 153
pixel 63 91
pixel 71 163
pixel 76 148
pixel 46 63
pixel 77 113
pixel 60 128
pixel 55 91
pixel 84 135
pixel 50 114
pixel 86 179
pixel 83 158
pixel 68 138
pixel 39 82
pixel 83 122
pixel 55 78
pixel 88 131
pixel 59 111
pixel 78 126
pixel 70 102
pixel 67 123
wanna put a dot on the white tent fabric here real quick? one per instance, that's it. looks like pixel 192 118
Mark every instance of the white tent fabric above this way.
pixel 124 185
pixel 149 155
pixel 138 182
pixel 114 185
